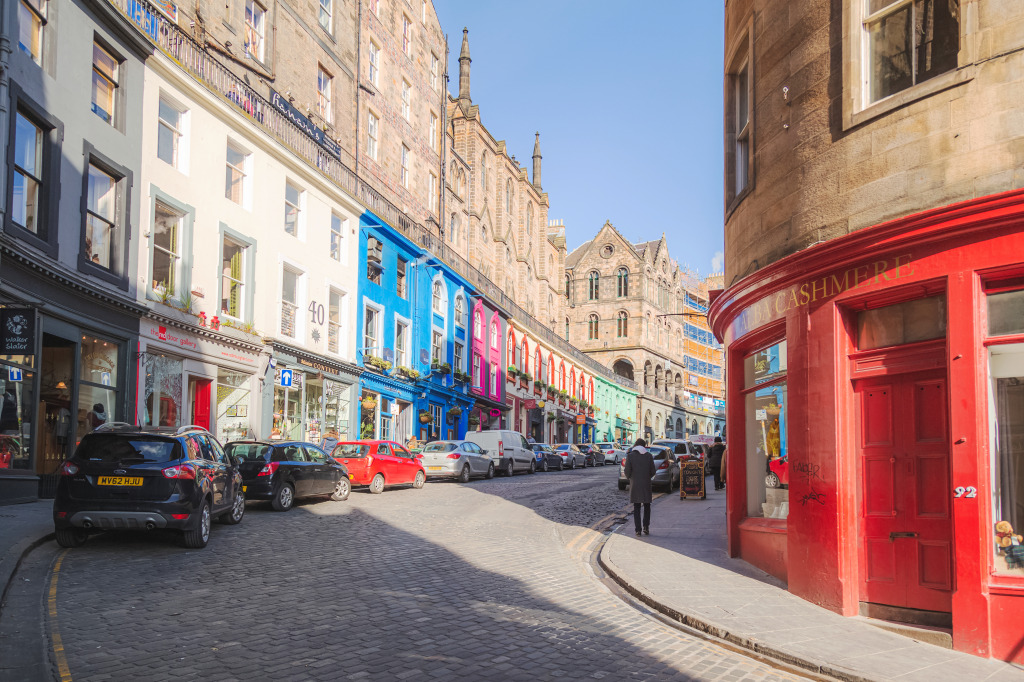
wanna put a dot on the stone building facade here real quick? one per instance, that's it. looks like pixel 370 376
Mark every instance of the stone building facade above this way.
pixel 872 311
pixel 498 217
pixel 632 308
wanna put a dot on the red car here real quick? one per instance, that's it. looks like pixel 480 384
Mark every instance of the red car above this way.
pixel 778 473
pixel 377 463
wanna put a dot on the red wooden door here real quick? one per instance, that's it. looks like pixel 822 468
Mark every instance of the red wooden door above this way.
pixel 200 391
pixel 906 557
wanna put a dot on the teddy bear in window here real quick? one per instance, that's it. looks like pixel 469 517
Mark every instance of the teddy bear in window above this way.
pixel 1010 544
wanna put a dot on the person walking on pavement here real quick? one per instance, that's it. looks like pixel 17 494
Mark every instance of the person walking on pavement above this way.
pixel 639 471
pixel 715 462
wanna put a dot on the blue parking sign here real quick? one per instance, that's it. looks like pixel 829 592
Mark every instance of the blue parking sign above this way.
pixel 13 374
pixel 286 378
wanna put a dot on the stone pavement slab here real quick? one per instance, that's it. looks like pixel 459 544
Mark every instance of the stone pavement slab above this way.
pixel 683 569
pixel 22 527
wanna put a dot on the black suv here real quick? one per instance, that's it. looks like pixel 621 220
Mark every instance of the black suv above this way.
pixel 125 477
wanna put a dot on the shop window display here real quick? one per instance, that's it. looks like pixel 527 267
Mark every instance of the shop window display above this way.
pixel 336 407
pixel 765 389
pixel 287 408
pixel 16 411
pixel 1006 368
pixel 232 405
pixel 314 409
pixel 162 403
pixel 97 397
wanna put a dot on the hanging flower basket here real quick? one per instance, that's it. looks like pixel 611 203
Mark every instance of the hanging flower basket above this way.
pixel 474 419
pixel 551 416
pixel 369 403
pixel 454 413
pixel 424 417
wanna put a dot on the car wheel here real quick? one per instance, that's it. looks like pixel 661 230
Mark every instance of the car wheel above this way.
pixel 377 484
pixel 622 485
pixel 237 510
pixel 420 479
pixel 533 467
pixel 71 537
pixel 772 480
pixel 464 474
pixel 544 465
pixel 200 535
pixel 284 498
pixel 490 470
pixel 341 490
pixel 510 468
pixel 560 465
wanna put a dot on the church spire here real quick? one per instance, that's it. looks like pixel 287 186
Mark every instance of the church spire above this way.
pixel 536 161
pixel 464 62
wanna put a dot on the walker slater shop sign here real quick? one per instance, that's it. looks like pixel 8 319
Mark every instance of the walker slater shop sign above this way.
pixel 17 331
pixel 292 114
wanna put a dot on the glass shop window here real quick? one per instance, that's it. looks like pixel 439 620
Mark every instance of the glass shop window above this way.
pixel 163 400
pixel 17 411
pixel 767 451
pixel 233 389
pixel 919 320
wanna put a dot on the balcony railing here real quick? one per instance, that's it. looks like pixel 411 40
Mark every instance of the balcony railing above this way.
pixel 187 53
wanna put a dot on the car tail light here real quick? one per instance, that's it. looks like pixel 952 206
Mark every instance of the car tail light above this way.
pixel 179 517
pixel 453 455
pixel 180 471
pixel 501 448
pixel 62 515
pixel 664 465
pixel 268 469
pixel 69 469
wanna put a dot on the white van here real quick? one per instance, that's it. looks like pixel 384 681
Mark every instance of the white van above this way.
pixel 508 449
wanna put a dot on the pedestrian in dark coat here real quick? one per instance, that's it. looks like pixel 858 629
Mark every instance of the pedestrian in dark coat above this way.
pixel 715 462
pixel 640 471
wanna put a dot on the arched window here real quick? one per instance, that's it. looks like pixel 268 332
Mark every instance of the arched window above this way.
pixel 529 219
pixel 508 255
pixel 572 382
pixel 508 196
pixel 512 348
pixel 594 282
pixel 623 282
pixel 483 233
pixel 483 171
pixel 525 355
pixel 583 388
pixel 561 376
pixel 649 332
pixel 494 335
pixel 623 326
pixel 438 297
pixel 694 429
pixel 538 366
pixel 567 328
pixel 591 390
pixel 568 284
pixel 551 369
pixel 550 302
pixel 478 325
pixel 679 428
pixel 592 321
pixel 460 310
pixel 453 229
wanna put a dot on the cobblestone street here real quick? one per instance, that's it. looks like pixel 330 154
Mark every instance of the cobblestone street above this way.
pixel 449 582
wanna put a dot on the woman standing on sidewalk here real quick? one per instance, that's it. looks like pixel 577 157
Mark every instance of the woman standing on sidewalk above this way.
pixel 640 471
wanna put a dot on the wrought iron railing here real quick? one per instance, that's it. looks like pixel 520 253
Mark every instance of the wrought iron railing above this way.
pixel 187 53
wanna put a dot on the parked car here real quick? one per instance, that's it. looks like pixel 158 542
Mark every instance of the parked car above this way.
pixel 133 478
pixel 571 455
pixel 778 473
pixel 508 449
pixel 459 458
pixel 666 469
pixel 284 471
pixel 693 450
pixel 612 452
pixel 547 458
pixel 379 463
pixel 594 454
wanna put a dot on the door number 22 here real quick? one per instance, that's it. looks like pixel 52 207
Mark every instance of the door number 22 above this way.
pixel 969 491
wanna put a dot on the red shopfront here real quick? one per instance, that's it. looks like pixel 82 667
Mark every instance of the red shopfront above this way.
pixel 876 421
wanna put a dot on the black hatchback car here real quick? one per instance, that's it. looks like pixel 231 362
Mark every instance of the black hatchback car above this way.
pixel 135 478
pixel 284 471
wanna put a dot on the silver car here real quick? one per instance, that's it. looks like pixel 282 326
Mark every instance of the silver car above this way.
pixel 613 454
pixel 666 469
pixel 571 455
pixel 459 458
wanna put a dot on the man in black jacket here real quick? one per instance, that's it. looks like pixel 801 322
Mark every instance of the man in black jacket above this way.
pixel 715 462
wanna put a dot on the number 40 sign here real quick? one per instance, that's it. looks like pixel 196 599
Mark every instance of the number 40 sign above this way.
pixel 969 491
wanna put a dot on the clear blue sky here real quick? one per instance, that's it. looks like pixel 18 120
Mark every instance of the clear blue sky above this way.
pixel 628 102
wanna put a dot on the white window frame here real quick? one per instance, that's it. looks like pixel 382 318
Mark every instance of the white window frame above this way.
pixel 403 325
pixel 340 336
pixel 404 177
pixel 326 15
pixel 406 100
pixel 437 296
pixel 460 310
pixel 300 296
pixel 178 133
pixel 255 30
pixel 432 192
pixel 374 63
pixel 458 355
pixel 241 282
pixel 372 133
pixel 298 208
pixel 437 349
pixel 244 170
pixel 176 255
pixel 432 135
pixel 324 84
pixel 338 225
pixel 406 35
pixel 378 310
pixel 435 64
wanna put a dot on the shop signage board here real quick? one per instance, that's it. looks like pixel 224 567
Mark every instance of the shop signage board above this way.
pixel 581 419
pixel 304 124
pixel 530 404
pixel 691 480
pixel 17 331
